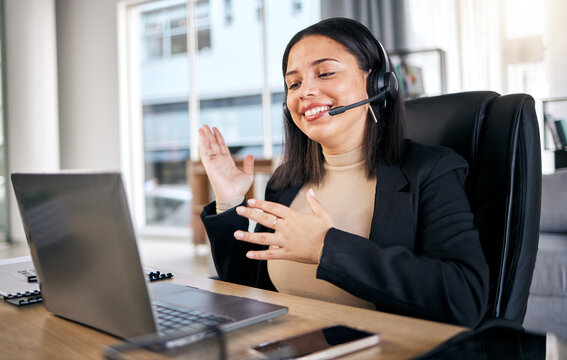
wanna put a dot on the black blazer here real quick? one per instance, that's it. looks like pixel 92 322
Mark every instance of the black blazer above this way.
pixel 423 257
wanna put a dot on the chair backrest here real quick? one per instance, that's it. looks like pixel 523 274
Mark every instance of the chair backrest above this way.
pixel 499 137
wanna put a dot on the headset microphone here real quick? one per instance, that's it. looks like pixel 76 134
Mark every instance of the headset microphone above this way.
pixel 382 81
pixel 342 109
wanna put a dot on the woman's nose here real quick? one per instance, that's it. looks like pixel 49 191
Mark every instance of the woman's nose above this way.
pixel 308 89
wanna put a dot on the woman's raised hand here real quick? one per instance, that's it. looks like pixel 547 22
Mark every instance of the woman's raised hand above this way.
pixel 228 182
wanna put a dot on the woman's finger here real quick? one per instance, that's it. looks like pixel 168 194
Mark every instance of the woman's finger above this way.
pixel 260 238
pixel 219 139
pixel 260 217
pixel 278 210
pixel 272 253
pixel 205 140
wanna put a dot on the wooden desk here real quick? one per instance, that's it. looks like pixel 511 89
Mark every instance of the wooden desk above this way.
pixel 31 332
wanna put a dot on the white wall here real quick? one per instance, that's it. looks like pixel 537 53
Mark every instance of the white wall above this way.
pixel 61 88
pixel 31 92
pixel 88 84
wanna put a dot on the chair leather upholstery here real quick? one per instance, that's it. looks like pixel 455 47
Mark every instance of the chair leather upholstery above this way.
pixel 499 137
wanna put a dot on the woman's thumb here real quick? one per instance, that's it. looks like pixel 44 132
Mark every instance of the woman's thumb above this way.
pixel 248 165
pixel 317 208
pixel 314 204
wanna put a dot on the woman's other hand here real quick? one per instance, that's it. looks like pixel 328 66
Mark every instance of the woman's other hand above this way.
pixel 228 182
pixel 297 237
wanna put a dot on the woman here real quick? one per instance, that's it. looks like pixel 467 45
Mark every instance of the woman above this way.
pixel 355 214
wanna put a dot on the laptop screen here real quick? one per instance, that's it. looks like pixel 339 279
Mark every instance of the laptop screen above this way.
pixel 83 246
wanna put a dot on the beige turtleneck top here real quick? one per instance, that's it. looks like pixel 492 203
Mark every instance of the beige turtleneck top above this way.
pixel 348 196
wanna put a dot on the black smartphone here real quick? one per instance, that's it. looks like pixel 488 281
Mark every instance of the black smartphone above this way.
pixel 324 343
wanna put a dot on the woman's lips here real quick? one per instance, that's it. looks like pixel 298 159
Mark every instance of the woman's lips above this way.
pixel 314 112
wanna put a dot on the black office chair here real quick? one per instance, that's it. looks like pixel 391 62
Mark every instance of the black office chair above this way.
pixel 499 137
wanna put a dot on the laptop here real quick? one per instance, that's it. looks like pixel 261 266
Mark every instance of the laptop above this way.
pixel 83 246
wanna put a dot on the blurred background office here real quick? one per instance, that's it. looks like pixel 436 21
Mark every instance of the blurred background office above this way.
pixel 123 85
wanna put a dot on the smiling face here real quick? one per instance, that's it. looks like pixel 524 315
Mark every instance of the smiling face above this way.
pixel 322 74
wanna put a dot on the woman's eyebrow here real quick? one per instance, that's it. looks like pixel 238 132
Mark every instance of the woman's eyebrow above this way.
pixel 313 63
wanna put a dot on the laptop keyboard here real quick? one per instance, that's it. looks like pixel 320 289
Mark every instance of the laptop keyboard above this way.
pixel 174 319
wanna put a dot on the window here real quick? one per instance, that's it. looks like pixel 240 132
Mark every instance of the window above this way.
pixel 228 12
pixel 153 32
pixel 177 20
pixel 160 126
pixel 259 5
pixel 164 31
pixel 296 6
pixel 203 24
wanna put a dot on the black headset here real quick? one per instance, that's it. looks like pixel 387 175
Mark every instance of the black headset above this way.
pixel 382 86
